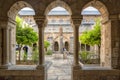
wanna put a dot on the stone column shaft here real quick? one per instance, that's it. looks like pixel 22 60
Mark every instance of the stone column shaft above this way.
pixel 5 54
pixel 41 45
pixel 12 42
pixel 76 47
pixel 40 21
pixel 76 24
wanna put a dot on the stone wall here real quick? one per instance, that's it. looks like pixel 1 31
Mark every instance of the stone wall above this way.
pixel 115 43
pixel 22 75
pixel 96 75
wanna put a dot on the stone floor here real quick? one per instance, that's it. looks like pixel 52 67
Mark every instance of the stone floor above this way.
pixel 60 68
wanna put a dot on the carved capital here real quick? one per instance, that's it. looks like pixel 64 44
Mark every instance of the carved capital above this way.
pixel 7 23
pixel 3 24
pixel 40 21
pixel 76 20
pixel 114 17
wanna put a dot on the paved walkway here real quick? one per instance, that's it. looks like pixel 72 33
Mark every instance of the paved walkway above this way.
pixel 60 68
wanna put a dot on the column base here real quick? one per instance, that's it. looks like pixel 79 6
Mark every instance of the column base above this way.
pixel 43 69
pixel 76 67
pixel 40 67
pixel 4 67
pixel 75 71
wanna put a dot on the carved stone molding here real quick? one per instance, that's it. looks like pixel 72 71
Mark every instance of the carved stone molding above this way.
pixel 7 23
pixel 13 22
pixel 105 21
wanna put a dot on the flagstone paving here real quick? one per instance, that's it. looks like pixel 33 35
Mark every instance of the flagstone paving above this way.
pixel 60 68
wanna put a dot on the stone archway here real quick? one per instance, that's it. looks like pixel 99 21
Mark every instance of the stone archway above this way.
pixel 105 32
pixel 13 11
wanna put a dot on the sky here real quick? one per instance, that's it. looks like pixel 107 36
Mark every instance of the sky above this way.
pixel 61 9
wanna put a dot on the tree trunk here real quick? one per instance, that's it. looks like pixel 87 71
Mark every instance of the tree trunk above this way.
pixel 19 53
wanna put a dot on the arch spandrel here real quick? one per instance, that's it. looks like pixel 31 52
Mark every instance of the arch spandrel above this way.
pixel 16 7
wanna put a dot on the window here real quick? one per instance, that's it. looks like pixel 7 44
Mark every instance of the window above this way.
pixel 60 20
pixel 53 21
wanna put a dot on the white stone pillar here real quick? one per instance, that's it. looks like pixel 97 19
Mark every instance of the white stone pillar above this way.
pixel 76 23
pixel 12 47
pixel 12 42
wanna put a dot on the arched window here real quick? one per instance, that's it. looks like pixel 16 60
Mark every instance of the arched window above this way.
pixel 56 46
pixel 67 46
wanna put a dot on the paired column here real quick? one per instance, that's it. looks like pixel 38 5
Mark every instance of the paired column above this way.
pixel 3 44
pixel 5 49
pixel 6 43
pixel 76 24
pixel 40 21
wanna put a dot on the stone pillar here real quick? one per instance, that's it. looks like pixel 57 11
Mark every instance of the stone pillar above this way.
pixel 12 42
pixel 12 46
pixel 115 41
pixel 4 43
pixel 40 21
pixel 5 48
pixel 76 24
pixel 76 21
pixel 105 53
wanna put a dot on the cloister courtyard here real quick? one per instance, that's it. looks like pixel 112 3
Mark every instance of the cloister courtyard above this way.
pixel 67 57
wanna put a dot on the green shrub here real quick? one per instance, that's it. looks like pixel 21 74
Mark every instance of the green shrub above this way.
pixel 85 56
pixel 25 56
pixel 49 52
pixel 35 55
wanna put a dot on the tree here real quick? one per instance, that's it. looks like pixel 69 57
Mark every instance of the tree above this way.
pixel 25 35
pixel 92 37
pixel 46 45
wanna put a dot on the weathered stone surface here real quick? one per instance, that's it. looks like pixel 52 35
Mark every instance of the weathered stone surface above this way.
pixel 110 45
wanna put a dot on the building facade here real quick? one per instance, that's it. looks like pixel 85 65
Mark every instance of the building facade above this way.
pixel 58 19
